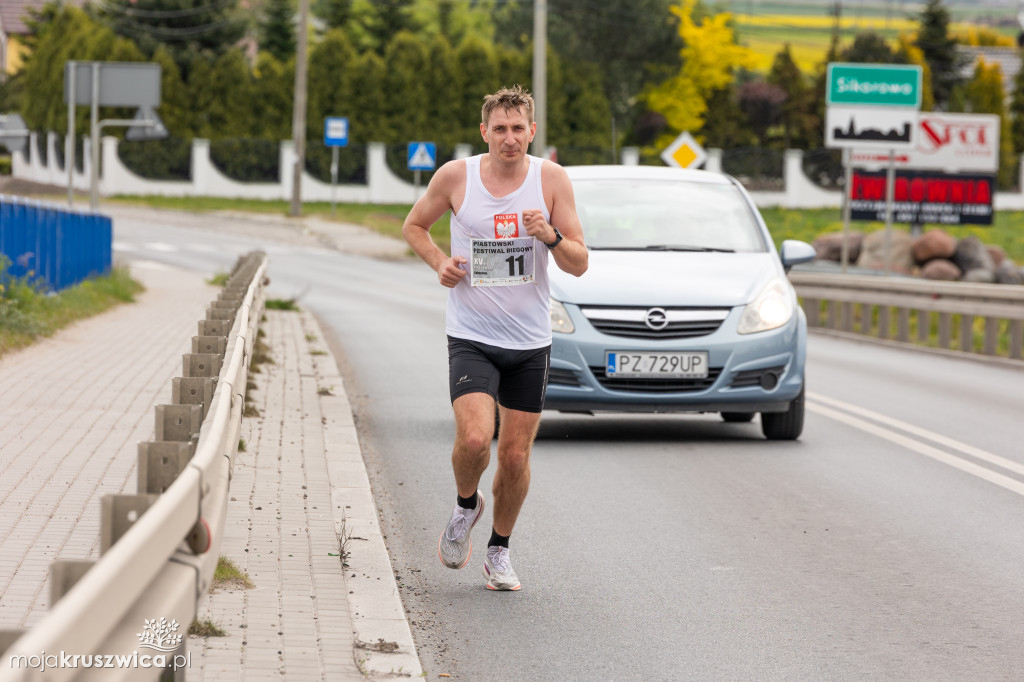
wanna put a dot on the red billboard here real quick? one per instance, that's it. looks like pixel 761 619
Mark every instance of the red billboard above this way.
pixel 922 197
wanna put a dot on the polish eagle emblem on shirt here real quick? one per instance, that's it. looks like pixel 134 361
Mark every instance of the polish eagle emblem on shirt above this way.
pixel 506 225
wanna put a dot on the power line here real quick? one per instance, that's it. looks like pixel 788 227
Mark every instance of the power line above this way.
pixel 125 10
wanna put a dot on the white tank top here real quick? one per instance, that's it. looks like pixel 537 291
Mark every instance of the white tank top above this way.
pixel 514 317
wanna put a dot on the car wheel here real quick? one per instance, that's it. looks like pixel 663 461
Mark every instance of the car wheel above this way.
pixel 737 417
pixel 785 425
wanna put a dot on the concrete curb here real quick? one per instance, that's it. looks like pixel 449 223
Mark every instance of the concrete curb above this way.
pixel 384 644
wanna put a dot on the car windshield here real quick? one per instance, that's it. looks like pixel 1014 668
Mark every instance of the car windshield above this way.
pixel 668 215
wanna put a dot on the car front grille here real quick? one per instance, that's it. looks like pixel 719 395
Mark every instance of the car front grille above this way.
pixel 758 377
pixel 656 385
pixel 681 323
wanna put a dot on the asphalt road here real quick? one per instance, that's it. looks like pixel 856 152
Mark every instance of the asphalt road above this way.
pixel 885 544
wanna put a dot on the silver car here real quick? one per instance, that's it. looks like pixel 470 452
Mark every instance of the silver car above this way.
pixel 686 306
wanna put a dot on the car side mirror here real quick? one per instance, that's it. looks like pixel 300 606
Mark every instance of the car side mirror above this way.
pixel 794 252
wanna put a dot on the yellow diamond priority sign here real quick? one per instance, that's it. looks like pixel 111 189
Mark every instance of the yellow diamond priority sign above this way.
pixel 684 152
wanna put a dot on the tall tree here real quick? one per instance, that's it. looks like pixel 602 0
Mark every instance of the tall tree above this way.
pixel 369 123
pixel 479 76
pixel 634 44
pixel 710 58
pixel 871 48
pixel 1017 111
pixel 985 95
pixel 725 126
pixel 940 52
pixel 912 54
pixel 175 110
pixel 407 94
pixel 762 102
pixel 273 88
pixel 334 13
pixel 188 29
pixel 277 29
pixel 375 22
pixel 330 80
pixel 796 108
pixel 442 79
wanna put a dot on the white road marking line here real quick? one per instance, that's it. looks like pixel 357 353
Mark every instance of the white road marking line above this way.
pixel 123 246
pixel 161 246
pixel 951 443
pixel 981 472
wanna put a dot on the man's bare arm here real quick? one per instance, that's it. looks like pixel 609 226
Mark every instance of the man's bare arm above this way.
pixel 426 211
pixel 571 253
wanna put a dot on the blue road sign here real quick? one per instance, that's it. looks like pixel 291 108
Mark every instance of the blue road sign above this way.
pixel 335 132
pixel 422 156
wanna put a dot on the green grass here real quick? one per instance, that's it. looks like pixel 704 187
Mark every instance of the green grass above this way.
pixel 27 313
pixel 206 628
pixel 282 304
pixel 1006 232
pixel 228 575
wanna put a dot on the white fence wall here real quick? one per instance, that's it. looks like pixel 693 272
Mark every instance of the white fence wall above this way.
pixel 382 186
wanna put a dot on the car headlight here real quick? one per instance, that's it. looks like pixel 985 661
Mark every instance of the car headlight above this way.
pixel 560 321
pixel 772 308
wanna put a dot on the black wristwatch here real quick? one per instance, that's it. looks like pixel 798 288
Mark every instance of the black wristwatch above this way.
pixel 558 238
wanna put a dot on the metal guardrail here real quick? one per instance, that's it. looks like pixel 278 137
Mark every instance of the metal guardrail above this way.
pixel 159 548
pixel 980 319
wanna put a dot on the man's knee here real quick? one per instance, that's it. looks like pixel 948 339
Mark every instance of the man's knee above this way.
pixel 514 460
pixel 475 439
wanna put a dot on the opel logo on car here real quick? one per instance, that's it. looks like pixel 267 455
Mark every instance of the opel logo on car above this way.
pixel 657 319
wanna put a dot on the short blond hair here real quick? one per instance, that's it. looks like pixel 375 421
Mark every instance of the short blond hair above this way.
pixel 508 99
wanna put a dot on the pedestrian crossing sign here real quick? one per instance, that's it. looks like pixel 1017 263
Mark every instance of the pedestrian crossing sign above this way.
pixel 422 156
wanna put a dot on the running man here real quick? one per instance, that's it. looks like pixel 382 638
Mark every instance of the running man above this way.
pixel 510 212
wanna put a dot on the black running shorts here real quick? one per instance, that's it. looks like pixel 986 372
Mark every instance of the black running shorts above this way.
pixel 516 379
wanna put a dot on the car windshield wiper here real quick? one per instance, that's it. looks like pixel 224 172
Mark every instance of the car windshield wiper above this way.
pixel 682 247
pixel 663 247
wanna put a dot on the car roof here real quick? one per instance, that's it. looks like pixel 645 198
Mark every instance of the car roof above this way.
pixel 609 172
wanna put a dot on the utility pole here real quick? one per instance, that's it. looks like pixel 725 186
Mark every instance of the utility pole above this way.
pixel 540 76
pixel 299 110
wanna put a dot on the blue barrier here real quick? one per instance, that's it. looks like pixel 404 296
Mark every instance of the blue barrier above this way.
pixel 52 245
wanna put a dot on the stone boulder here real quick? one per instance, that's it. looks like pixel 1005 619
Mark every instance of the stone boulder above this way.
pixel 933 244
pixel 941 269
pixel 1008 272
pixel 980 276
pixel 971 254
pixel 872 252
pixel 830 246
pixel 996 253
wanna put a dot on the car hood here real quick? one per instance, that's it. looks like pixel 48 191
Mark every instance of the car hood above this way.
pixel 666 278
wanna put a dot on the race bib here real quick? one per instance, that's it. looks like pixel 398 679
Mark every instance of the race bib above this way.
pixel 502 262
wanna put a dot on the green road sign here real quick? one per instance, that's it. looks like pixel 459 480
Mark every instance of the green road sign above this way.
pixel 876 85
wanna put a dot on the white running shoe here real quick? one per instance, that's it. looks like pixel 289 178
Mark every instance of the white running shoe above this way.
pixel 454 547
pixel 498 570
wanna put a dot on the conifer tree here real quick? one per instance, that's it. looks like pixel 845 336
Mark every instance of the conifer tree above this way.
pixel 1017 112
pixel 334 13
pixel 940 52
pixel 277 29
pixel 984 95
pixel 188 29
pixel 786 75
